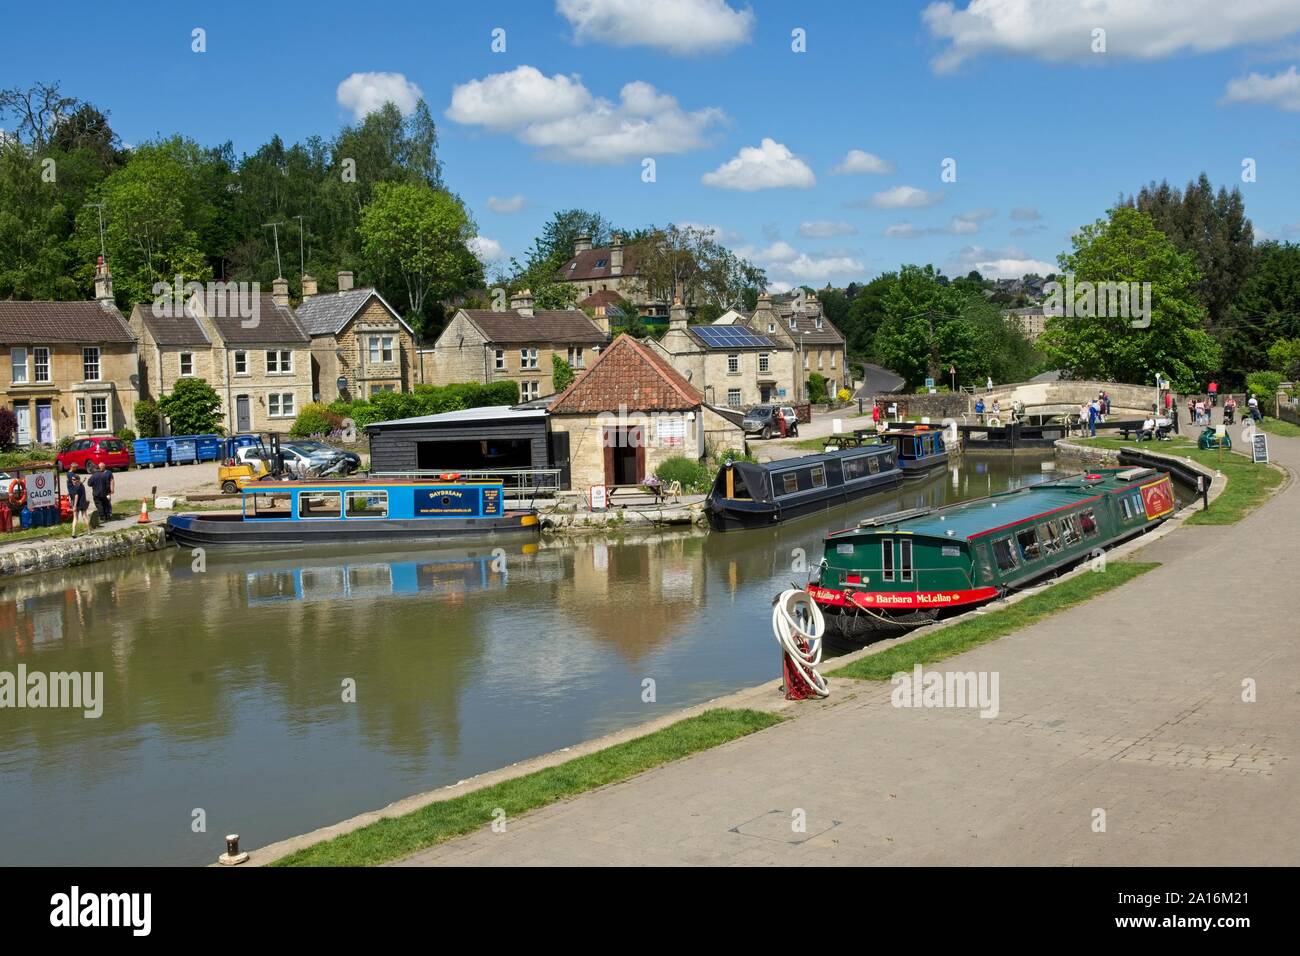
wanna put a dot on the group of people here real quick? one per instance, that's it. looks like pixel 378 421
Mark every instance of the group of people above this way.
pixel 101 488
pixel 1094 411
pixel 994 410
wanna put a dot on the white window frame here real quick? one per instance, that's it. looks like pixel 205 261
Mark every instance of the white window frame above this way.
pixel 81 416
pixel 834 356
pixel 279 361
pixel 764 362
pixel 280 405
pixel 499 360
pixel 182 358
pixel 25 365
pixel 95 426
pixel 91 358
pixel 379 351
pixel 36 363
pixel 733 398
pixel 241 358
pixel 576 359
pixel 529 390
pixel 528 358
pixel 733 363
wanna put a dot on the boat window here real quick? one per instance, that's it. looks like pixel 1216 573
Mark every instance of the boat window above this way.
pixel 873 464
pixel 268 506
pixel 1028 541
pixel 1004 554
pixel 819 476
pixel 319 504
pixel 1136 505
pixel 1125 509
pixel 791 482
pixel 1088 521
pixel 854 467
pixel 887 559
pixel 367 504
pixel 1070 529
pixel 1050 537
pixel 905 560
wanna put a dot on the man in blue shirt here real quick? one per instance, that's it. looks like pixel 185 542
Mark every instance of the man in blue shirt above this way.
pixel 1092 419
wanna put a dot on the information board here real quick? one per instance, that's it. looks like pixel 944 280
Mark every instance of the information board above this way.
pixel 42 490
pixel 1259 447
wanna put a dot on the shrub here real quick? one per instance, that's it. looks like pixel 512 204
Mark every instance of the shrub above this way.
pixel 844 395
pixel 1265 386
pixel 147 418
pixel 725 454
pixel 561 373
pixel 315 419
pixel 8 429
pixel 126 434
pixel 192 408
pixel 694 477
pixel 426 400
pixel 64 443
pixel 817 388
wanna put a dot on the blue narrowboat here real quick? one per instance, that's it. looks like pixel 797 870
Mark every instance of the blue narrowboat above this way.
pixel 920 450
pixel 349 511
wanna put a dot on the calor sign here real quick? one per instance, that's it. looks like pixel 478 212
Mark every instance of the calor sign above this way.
pixel 42 490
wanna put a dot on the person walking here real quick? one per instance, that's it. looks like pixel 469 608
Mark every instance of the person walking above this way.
pixel 875 414
pixel 1200 412
pixel 1093 414
pixel 80 503
pixel 979 410
pixel 1253 405
pixel 988 384
pixel 1214 394
pixel 101 486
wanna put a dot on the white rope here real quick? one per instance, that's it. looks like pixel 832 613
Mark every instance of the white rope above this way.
pixel 795 615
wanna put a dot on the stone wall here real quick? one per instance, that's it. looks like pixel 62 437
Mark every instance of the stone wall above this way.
pixel 936 407
pixel 68 553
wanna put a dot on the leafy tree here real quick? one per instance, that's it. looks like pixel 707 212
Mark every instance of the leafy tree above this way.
pixel 1267 308
pixel 192 408
pixel 148 418
pixel 689 262
pixel 8 429
pixel 866 312
pixel 1264 385
pixel 419 235
pixel 1284 356
pixel 1127 247
pixel 561 373
pixel 922 330
pixel 817 388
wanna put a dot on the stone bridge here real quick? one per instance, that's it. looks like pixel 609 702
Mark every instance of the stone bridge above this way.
pixel 1063 398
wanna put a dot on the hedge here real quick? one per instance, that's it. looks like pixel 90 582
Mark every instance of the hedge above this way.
pixel 425 400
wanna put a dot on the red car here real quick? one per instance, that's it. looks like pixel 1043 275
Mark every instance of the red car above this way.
pixel 112 453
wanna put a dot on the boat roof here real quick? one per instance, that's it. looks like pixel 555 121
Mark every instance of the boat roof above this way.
pixel 361 484
pixel 972 519
pixel 784 464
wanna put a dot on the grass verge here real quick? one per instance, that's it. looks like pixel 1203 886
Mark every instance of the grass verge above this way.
pixel 974 631
pixel 401 836
pixel 1275 426
pixel 1249 484
pixel 121 509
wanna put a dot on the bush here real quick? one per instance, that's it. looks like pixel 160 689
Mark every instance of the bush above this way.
pixel 844 395
pixel 8 429
pixel 315 419
pixel 561 373
pixel 694 477
pixel 725 454
pixel 1264 385
pixel 63 443
pixel 193 407
pixel 148 419
pixel 817 388
pixel 24 456
pixel 126 434
pixel 426 400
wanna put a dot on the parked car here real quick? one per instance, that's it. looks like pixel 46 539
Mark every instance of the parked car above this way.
pixel 110 452
pixel 764 420
pixel 307 458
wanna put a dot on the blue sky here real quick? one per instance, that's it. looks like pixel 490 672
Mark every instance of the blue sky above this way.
pixel 1036 119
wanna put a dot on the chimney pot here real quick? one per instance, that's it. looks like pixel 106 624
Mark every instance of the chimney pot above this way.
pixel 345 281
pixel 522 302
pixel 280 292
pixel 103 281
pixel 308 286
pixel 582 243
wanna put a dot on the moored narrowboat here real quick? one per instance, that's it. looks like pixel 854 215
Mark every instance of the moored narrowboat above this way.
pixel 920 450
pixel 748 495
pixel 355 510
pixel 900 571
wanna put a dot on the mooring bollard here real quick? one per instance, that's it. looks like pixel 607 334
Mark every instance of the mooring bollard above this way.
pixel 232 856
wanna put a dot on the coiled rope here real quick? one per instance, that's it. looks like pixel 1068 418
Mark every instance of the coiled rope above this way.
pixel 798 624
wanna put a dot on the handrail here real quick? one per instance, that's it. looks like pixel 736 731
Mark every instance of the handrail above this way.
pixel 532 480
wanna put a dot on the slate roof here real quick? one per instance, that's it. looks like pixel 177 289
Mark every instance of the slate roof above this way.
pixel 806 322
pixel 275 324
pixel 627 373
pixel 558 326
pixel 168 330
pixel 327 314
pixel 584 266
pixel 603 297
pixel 44 323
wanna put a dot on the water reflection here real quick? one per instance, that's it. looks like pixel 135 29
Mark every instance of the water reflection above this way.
pixel 223 685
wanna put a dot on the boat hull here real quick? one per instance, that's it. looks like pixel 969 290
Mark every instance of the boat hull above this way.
pixel 730 515
pixel 204 531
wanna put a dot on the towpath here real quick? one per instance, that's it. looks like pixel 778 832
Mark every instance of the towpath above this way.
pixel 1130 705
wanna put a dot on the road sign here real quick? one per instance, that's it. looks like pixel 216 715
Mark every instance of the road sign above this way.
pixel 929 383
pixel 1259 447
pixel 42 490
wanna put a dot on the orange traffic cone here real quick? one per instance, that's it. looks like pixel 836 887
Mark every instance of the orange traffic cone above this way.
pixel 144 512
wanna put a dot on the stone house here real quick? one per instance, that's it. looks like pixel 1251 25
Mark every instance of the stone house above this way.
pixel 70 368
pixel 629 412
pixel 611 268
pixel 818 346
pixel 360 346
pixel 515 344
pixel 728 363
pixel 260 365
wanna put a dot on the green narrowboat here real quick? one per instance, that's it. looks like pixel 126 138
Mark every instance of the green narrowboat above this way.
pixel 904 570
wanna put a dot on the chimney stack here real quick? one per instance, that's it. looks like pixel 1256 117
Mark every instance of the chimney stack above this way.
pixel 103 281
pixel 582 243
pixel 616 256
pixel 308 286
pixel 677 317
pixel 345 281
pixel 280 292
pixel 522 302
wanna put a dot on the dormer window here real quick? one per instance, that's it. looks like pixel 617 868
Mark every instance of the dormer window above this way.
pixel 600 263
pixel 819 323
pixel 792 323
pixel 573 265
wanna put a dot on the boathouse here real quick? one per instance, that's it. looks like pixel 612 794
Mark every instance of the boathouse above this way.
pixel 473 439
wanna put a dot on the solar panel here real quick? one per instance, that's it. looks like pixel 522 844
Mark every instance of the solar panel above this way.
pixel 730 336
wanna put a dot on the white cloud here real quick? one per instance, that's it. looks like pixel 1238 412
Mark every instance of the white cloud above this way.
pixel 822 228
pixel 778 252
pixel 678 26
pixel 778 287
pixel 904 197
pixel 770 165
pixel 1061 30
pixel 860 161
pixel 903 230
pixel 561 117
pixel 506 206
pixel 1026 214
pixel 1008 263
pixel 961 225
pixel 363 93
pixel 822 269
pixel 486 250
pixel 1281 90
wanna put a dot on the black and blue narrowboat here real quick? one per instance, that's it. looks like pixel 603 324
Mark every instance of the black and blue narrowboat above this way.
pixel 920 450
pixel 749 495
pixel 349 511
pixel 900 571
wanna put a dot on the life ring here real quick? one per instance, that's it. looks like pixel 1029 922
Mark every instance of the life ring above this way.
pixel 994 421
pixel 17 493
pixel 449 476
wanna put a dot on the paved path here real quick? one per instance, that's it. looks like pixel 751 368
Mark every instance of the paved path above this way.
pixel 1130 704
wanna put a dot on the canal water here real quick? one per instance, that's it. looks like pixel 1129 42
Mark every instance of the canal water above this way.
pixel 224 686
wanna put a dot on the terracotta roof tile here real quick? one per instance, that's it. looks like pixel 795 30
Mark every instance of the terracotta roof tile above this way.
pixel 630 374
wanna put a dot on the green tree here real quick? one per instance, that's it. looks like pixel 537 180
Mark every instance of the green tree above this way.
pixel 1267 308
pixel 922 330
pixel 419 235
pixel 561 373
pixel 1127 247
pixel 866 312
pixel 148 418
pixel 1284 357
pixel 192 408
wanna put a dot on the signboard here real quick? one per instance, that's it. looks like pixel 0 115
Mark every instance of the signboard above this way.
pixel 929 383
pixel 596 498
pixel 1259 447
pixel 446 501
pixel 42 490
pixel 1158 498
pixel 672 432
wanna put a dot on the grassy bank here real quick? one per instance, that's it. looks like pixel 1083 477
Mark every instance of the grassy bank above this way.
pixel 1249 484
pixel 438 822
pixel 1275 426
pixel 974 631
pixel 121 509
